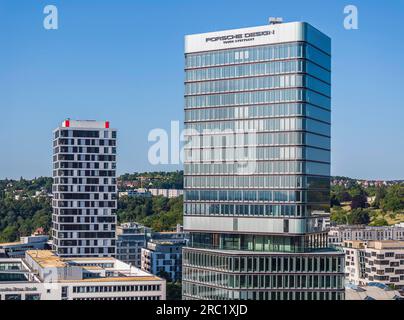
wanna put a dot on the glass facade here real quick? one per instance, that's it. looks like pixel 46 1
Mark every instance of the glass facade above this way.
pixel 257 171
pixel 262 277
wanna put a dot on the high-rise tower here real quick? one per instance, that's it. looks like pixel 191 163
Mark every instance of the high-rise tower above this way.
pixel 84 189
pixel 257 165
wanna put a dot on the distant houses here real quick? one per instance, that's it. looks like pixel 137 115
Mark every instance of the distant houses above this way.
pixel 148 193
pixel 348 182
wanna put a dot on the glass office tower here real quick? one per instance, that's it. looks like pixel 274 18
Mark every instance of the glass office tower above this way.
pixel 257 165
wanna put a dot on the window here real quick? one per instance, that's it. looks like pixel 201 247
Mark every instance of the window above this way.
pixel 286 226
pixel 12 297
pixel 32 297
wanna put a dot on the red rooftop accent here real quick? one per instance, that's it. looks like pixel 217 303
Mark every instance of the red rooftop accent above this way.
pixel 67 123
pixel 107 124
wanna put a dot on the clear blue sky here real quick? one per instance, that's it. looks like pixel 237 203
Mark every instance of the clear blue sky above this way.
pixel 123 61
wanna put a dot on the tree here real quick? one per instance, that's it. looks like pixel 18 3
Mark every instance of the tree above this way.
pixel 380 194
pixel 160 204
pixel 359 201
pixel 394 199
pixel 359 216
pixel 344 196
pixel 380 222
pixel 165 275
pixel 174 291
pixel 334 201
pixel 10 233
pixel 147 208
pixel 339 216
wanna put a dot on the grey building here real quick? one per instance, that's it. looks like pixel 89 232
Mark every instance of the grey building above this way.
pixel 130 239
pixel 17 249
pixel 163 258
pixel 257 165
pixel 84 189
pixel 179 235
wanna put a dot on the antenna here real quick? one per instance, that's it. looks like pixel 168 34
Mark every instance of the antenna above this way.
pixel 275 20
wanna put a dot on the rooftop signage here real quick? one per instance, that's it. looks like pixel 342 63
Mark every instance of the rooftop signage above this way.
pixel 240 37
pixel 245 37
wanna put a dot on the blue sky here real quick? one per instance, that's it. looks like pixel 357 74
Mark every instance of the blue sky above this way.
pixel 123 61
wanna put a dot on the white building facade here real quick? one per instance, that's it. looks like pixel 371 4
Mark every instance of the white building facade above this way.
pixel 375 261
pixel 84 189
pixel 338 234
pixel 42 275
pixel 167 193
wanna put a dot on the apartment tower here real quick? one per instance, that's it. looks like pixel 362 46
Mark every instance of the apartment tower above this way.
pixel 257 165
pixel 84 189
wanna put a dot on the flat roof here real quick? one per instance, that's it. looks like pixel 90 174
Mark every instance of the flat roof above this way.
pixel 385 244
pixel 117 279
pixel 169 232
pixel 89 259
pixel 92 268
pixel 355 244
pixel 370 293
pixel 4 244
pixel 46 258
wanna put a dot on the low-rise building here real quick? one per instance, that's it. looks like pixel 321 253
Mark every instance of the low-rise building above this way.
pixel 338 234
pixel 355 266
pixel 373 291
pixel 168 193
pixel 17 249
pixel 42 275
pixel 143 193
pixel 130 239
pixel 163 258
pixel 171 236
pixel 375 261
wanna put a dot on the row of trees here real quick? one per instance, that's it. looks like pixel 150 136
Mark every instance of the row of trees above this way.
pixel 28 187
pixel 387 199
pixel 159 213
pixel 390 199
pixel 23 217
pixel 21 213
pixel 158 180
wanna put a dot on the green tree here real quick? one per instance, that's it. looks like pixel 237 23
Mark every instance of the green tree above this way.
pixel 359 216
pixel 174 291
pixel 339 216
pixel 394 199
pixel 380 222
pixel 10 233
